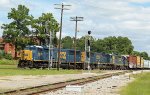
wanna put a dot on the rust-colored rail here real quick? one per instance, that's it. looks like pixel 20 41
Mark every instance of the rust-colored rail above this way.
pixel 52 87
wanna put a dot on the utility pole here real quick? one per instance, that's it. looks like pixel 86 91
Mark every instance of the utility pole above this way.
pixel 76 19
pixel 61 7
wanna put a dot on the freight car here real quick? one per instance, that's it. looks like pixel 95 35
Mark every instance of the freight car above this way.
pixel 132 60
pixel 146 64
pixel 135 62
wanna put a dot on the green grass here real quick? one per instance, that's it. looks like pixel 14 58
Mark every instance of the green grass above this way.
pixel 8 62
pixel 11 70
pixel 141 85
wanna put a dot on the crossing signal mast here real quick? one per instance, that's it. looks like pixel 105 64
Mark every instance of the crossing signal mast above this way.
pixel 89 32
pixel 89 48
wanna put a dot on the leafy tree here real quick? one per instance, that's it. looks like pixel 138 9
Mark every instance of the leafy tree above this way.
pixel 17 31
pixel 119 45
pixel 136 53
pixel 67 42
pixel 124 45
pixel 110 44
pixel 81 43
pixel 43 26
pixel 144 55
pixel 99 46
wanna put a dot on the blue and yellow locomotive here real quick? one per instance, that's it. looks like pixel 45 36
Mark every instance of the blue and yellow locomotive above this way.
pixel 34 57
pixel 38 57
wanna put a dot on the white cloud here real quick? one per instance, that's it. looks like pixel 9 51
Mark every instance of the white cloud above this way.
pixel 4 3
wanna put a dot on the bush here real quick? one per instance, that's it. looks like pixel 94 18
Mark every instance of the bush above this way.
pixel 8 56
pixel 2 54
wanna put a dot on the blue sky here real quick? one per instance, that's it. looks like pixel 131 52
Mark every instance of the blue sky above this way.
pixel 140 4
pixel 128 18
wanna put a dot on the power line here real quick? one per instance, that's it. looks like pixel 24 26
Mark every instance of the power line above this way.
pixel 76 19
pixel 62 8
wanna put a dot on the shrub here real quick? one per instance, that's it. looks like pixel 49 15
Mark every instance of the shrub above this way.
pixel 8 56
pixel 2 54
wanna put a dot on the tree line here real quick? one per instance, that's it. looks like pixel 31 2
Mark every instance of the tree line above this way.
pixel 112 45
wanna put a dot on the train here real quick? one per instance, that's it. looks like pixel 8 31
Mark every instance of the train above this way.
pixel 34 56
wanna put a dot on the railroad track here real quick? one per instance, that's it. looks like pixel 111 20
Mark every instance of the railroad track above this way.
pixel 55 86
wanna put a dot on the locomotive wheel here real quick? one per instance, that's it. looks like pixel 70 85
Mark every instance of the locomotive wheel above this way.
pixel 22 65
pixel 19 65
pixel 30 65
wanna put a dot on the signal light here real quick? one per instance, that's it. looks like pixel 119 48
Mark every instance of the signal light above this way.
pixel 89 32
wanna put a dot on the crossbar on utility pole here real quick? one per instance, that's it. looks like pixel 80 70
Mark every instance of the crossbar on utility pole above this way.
pixel 62 8
pixel 76 19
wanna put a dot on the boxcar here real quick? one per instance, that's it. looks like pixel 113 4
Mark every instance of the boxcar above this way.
pixel 138 63
pixel 146 64
pixel 142 62
pixel 132 61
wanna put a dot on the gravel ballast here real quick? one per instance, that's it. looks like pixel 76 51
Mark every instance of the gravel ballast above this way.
pixel 107 86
